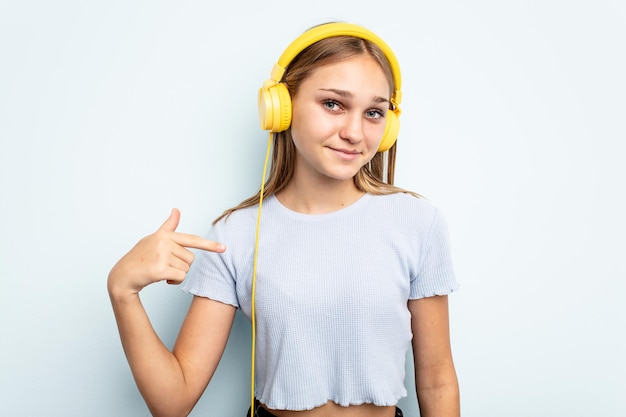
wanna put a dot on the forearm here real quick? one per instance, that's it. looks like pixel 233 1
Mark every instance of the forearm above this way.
pixel 170 382
pixel 438 392
pixel 156 370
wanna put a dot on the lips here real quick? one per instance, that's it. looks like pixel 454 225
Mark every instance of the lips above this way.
pixel 345 154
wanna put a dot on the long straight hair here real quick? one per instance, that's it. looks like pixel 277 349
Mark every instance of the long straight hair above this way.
pixel 375 177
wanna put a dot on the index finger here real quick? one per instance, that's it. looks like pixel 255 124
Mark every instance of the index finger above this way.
pixel 197 242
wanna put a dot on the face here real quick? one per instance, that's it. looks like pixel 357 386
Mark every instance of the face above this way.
pixel 338 118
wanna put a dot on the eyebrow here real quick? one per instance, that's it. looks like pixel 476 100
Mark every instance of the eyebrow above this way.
pixel 347 94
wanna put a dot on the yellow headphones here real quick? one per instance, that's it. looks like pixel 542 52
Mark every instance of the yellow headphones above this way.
pixel 274 99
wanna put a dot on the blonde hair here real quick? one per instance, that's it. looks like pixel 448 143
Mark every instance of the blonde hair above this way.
pixel 375 177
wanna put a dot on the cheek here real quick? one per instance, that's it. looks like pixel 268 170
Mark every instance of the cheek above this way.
pixel 310 125
pixel 298 124
pixel 374 134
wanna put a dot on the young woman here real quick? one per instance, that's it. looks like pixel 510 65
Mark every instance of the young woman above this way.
pixel 351 270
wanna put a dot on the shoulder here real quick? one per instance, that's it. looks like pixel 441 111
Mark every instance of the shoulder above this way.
pixel 405 213
pixel 238 222
pixel 244 219
pixel 404 203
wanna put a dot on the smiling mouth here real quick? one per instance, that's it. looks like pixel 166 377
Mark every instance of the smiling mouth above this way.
pixel 346 151
pixel 346 154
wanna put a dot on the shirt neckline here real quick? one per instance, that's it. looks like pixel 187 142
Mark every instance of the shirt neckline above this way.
pixel 344 211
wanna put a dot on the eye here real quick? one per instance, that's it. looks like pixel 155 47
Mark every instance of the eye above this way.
pixel 375 114
pixel 331 105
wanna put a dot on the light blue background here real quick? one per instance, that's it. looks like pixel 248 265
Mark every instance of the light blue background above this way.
pixel 113 112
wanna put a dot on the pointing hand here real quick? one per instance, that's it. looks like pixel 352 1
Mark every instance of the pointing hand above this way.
pixel 160 256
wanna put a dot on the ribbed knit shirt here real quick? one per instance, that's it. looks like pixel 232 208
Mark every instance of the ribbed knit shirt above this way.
pixel 331 294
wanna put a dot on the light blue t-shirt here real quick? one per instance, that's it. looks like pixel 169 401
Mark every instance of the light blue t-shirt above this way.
pixel 331 294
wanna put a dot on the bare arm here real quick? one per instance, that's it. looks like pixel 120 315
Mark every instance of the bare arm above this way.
pixel 170 382
pixel 435 377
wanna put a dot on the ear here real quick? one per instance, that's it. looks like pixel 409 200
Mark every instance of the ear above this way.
pixel 392 128
pixel 274 107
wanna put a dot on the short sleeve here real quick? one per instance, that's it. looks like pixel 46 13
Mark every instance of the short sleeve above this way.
pixel 435 273
pixel 211 274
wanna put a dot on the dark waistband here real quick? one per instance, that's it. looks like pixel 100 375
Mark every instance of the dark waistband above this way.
pixel 262 412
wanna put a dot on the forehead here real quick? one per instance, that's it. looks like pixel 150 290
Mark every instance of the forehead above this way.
pixel 356 74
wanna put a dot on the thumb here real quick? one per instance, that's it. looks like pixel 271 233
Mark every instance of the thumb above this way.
pixel 171 223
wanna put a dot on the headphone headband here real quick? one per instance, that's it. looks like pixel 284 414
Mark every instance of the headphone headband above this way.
pixel 329 30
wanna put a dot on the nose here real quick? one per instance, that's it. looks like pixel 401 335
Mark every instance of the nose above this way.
pixel 352 128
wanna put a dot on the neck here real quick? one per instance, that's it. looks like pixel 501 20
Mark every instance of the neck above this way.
pixel 318 196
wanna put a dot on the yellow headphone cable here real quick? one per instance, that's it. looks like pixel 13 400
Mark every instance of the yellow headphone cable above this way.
pixel 254 268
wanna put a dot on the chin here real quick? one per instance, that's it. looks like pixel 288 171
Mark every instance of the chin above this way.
pixel 341 176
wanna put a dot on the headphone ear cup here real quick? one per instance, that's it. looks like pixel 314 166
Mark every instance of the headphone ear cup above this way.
pixel 275 108
pixel 392 128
